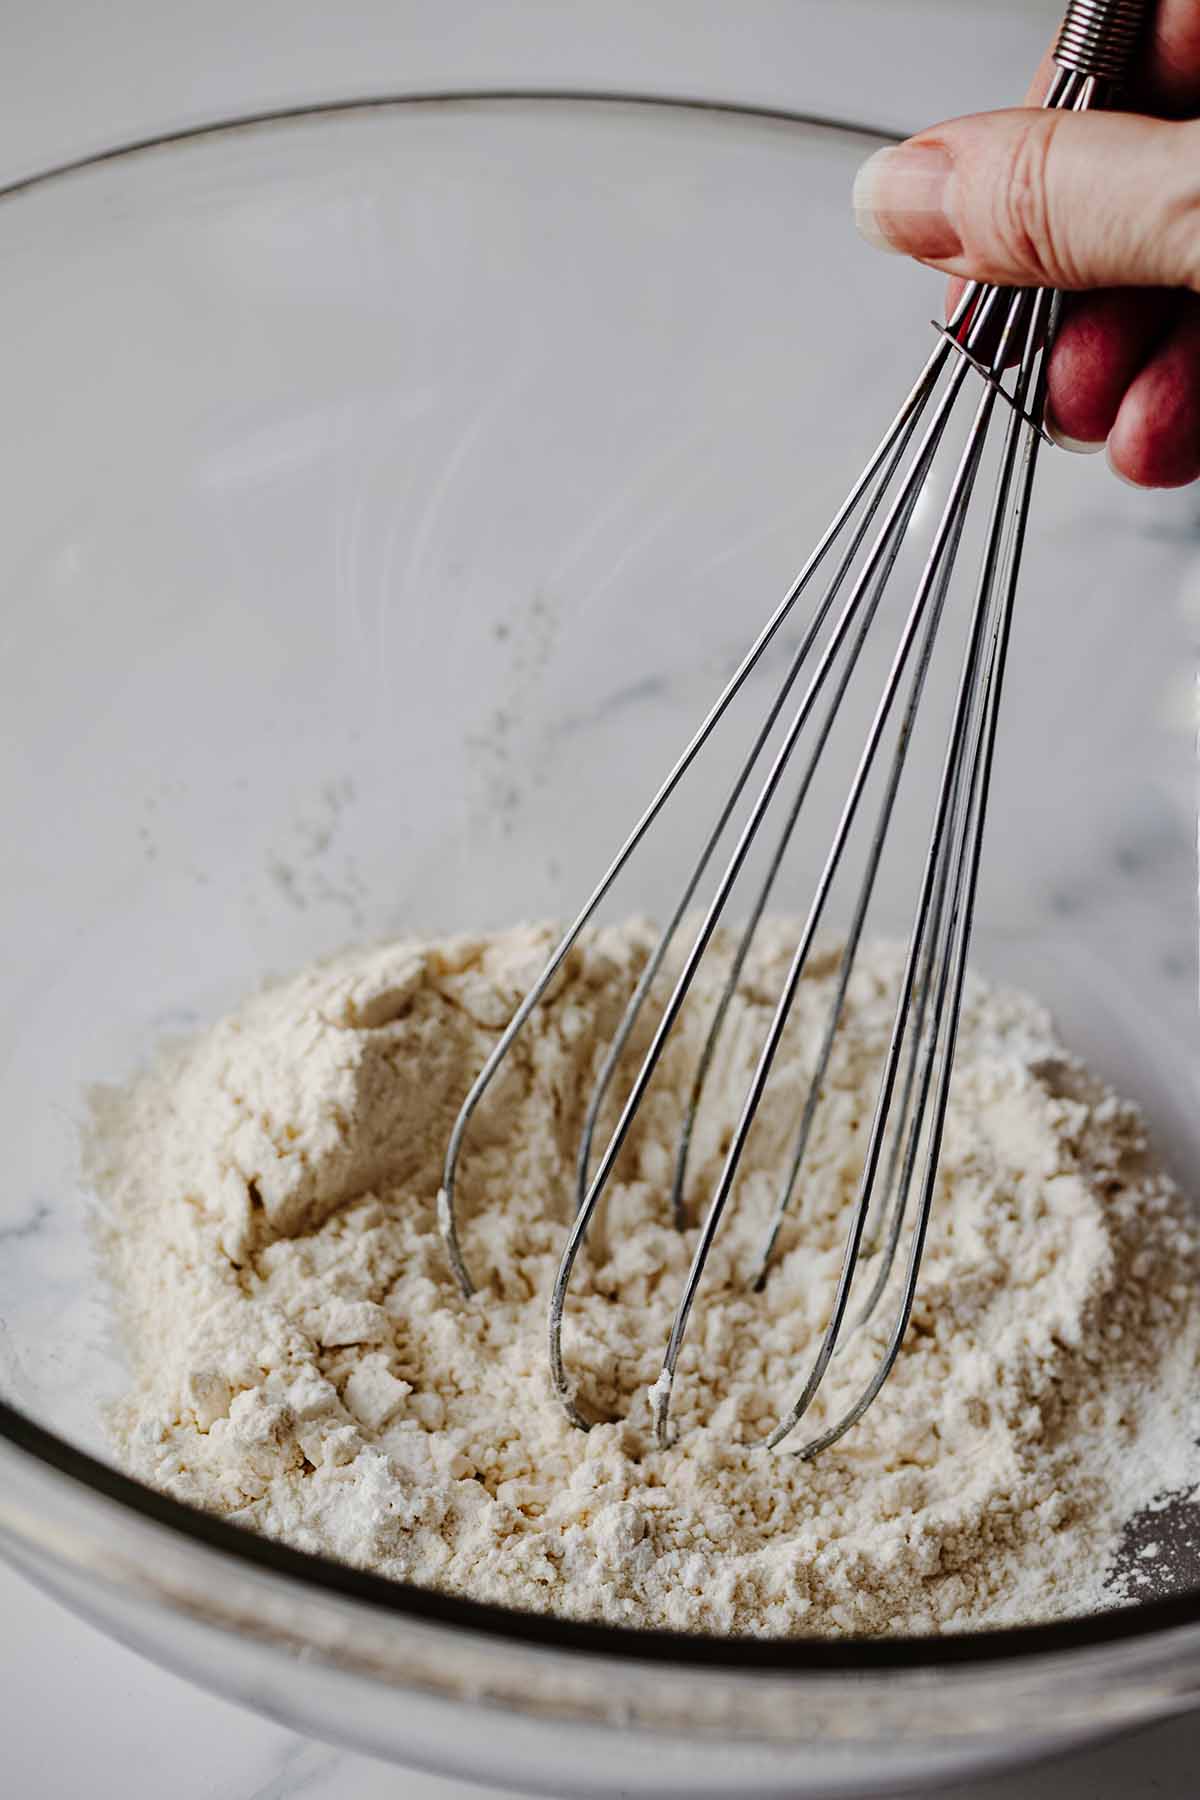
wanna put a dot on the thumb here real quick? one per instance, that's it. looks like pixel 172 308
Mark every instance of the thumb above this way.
pixel 1042 199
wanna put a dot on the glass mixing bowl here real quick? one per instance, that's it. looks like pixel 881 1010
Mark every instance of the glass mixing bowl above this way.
pixel 386 489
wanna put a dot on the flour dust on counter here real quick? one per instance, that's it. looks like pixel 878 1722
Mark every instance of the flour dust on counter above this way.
pixel 305 1365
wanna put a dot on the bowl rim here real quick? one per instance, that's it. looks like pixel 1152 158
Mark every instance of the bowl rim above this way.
pixel 419 98
pixel 1134 1621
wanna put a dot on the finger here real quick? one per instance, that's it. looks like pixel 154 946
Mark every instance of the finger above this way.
pixel 1170 77
pixel 1103 343
pixel 1156 439
pixel 1044 199
pixel 1039 87
pixel 1168 80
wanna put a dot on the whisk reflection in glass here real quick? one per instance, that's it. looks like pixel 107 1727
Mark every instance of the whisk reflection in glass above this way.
pixel 996 348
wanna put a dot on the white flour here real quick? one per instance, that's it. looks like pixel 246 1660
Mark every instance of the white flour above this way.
pixel 305 1365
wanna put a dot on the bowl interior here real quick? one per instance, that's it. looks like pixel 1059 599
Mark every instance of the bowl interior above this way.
pixel 389 492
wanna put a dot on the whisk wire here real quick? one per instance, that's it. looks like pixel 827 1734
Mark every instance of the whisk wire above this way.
pixel 862 586
pixel 897 1180
pixel 925 610
pixel 654 963
pixel 854 932
pixel 911 410
pixel 896 1186
pixel 1002 557
pixel 777 860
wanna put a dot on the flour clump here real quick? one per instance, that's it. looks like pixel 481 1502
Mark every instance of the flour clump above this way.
pixel 305 1365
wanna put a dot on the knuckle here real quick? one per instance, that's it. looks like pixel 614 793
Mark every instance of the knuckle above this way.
pixel 1023 217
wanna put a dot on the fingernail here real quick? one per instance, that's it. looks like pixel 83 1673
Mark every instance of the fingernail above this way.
pixel 1076 446
pixel 902 201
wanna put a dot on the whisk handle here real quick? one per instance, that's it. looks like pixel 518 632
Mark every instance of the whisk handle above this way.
pixel 1099 38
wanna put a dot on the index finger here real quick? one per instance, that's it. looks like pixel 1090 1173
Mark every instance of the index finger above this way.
pixel 1168 80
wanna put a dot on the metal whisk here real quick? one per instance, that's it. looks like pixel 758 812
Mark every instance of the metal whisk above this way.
pixel 996 344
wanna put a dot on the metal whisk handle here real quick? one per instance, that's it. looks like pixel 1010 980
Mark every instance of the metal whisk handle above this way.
pixel 1100 38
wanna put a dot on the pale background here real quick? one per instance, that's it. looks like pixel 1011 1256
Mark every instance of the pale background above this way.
pixel 77 75
pixel 78 1714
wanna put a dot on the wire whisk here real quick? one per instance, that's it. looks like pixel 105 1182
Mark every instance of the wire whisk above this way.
pixel 995 351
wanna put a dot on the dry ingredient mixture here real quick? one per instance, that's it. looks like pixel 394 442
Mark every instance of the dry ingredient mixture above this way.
pixel 305 1365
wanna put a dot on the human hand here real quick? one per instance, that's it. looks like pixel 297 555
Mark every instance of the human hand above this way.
pixel 1105 206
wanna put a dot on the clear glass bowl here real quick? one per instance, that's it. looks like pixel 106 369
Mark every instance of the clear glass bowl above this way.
pixel 386 490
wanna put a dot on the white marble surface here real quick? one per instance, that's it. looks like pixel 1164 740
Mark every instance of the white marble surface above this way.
pixel 79 1714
